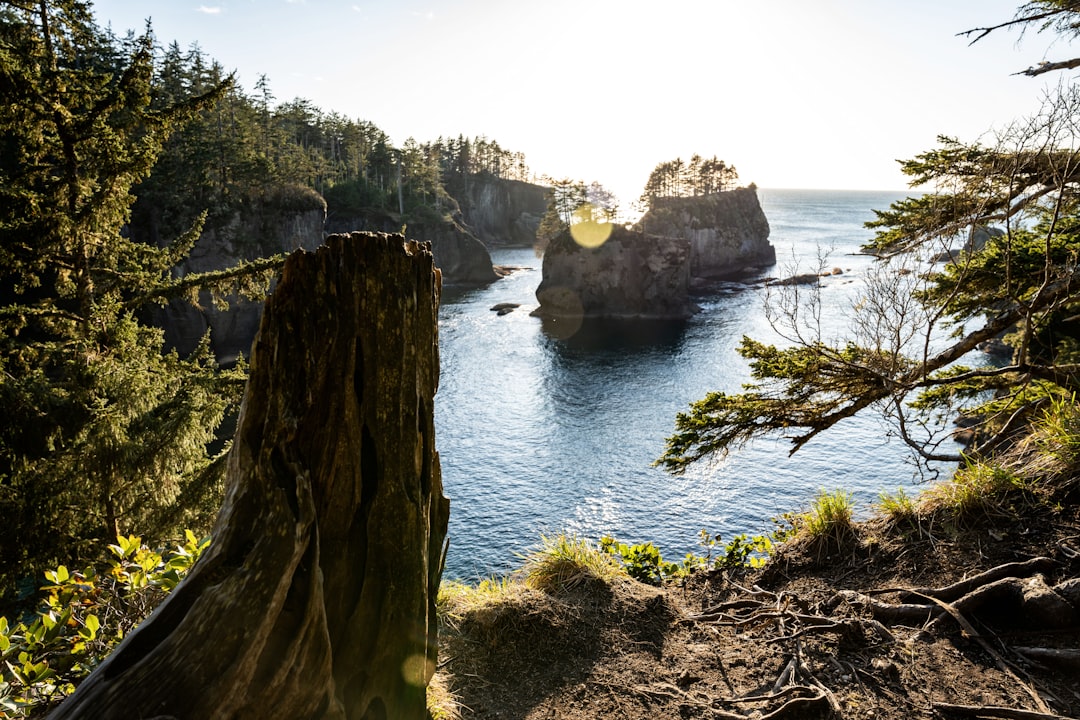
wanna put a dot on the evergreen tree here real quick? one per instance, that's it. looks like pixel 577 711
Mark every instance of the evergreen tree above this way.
pixel 1007 217
pixel 700 176
pixel 564 198
pixel 103 432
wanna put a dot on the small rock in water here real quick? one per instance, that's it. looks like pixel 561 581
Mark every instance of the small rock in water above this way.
pixel 503 308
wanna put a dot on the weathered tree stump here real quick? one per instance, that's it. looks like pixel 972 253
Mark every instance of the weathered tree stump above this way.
pixel 316 598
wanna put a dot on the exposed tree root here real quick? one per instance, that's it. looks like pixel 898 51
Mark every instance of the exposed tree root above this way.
pixel 951 593
pixel 988 711
pixel 1011 595
pixel 1064 659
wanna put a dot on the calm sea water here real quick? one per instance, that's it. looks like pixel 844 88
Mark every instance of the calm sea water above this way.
pixel 539 435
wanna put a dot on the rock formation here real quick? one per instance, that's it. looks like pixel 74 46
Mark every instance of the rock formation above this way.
pixel 266 226
pixel 502 212
pixel 631 275
pixel 316 598
pixel 728 232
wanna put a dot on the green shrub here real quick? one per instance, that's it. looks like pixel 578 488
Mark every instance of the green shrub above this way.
pixel 641 562
pixel 81 617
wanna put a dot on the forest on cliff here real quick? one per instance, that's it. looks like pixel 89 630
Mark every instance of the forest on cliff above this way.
pixel 117 153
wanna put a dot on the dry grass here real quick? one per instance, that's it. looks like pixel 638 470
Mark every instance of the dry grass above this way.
pixel 1052 450
pixel 442 703
pixel 563 562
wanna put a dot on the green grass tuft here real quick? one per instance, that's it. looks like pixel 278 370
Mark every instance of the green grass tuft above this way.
pixel 829 523
pixel 897 507
pixel 562 562
pixel 975 489
pixel 830 514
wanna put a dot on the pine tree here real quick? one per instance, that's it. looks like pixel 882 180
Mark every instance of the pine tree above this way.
pixel 103 432
pixel 1006 219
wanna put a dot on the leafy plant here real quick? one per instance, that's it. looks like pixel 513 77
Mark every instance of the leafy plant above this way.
pixel 744 550
pixel 81 617
pixel 642 561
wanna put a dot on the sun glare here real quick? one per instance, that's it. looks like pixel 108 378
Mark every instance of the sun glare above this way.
pixel 590 227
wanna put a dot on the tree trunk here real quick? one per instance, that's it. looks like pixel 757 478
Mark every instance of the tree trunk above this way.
pixel 316 598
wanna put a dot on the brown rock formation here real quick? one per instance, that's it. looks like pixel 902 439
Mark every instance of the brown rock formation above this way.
pixel 460 256
pixel 631 275
pixel 502 212
pixel 728 232
pixel 262 228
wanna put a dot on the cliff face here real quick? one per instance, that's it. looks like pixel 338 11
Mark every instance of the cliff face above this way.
pixel 261 228
pixel 630 276
pixel 502 212
pixel 458 253
pixel 728 232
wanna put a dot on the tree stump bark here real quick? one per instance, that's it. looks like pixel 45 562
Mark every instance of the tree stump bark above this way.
pixel 316 598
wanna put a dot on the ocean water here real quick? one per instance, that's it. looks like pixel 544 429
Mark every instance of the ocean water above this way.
pixel 540 435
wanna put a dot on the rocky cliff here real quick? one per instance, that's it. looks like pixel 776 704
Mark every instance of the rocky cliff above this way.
pixel 279 222
pixel 631 275
pixel 459 254
pixel 502 212
pixel 728 232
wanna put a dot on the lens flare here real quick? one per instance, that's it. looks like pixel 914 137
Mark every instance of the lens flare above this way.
pixel 589 228
pixel 417 669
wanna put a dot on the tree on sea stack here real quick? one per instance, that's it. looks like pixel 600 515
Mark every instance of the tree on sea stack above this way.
pixel 990 254
pixel 316 598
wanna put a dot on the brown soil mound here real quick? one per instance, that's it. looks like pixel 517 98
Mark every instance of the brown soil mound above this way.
pixel 820 632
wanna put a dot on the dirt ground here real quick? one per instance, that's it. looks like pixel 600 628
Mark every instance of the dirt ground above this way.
pixel 819 632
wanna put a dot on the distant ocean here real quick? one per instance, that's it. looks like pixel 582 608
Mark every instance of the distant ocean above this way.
pixel 539 435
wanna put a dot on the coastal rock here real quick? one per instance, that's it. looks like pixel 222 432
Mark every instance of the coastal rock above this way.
pixel 801 279
pixel 504 308
pixel 980 235
pixel 501 212
pixel 459 254
pixel 280 221
pixel 631 275
pixel 728 231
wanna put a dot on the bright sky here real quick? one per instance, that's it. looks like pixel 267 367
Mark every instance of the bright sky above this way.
pixel 794 93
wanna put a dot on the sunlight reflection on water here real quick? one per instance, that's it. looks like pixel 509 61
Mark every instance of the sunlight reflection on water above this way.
pixel 540 435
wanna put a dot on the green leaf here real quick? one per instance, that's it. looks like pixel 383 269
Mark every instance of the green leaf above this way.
pixel 90 627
